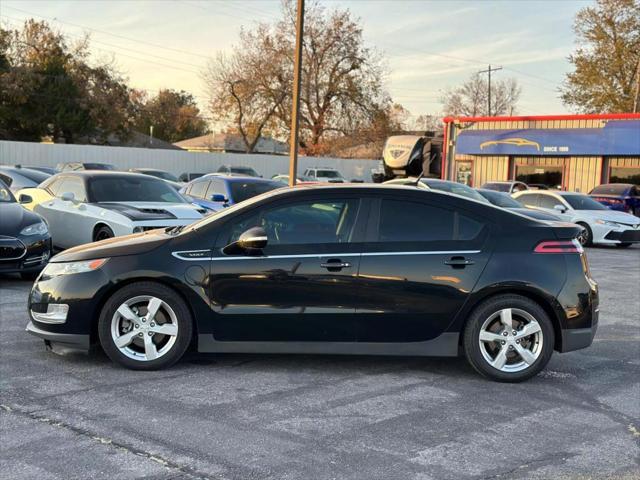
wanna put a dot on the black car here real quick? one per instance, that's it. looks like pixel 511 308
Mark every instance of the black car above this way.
pixel 504 200
pixel 330 269
pixel 78 166
pixel 25 243
pixel 154 172
pixel 17 178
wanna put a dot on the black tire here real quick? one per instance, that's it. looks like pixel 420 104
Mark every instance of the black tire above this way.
pixel 623 245
pixel 483 312
pixel 585 240
pixel 172 299
pixel 102 233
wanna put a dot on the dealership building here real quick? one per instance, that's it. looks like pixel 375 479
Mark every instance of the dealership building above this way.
pixel 570 152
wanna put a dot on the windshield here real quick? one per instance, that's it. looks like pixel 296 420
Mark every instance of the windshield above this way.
pixel 582 202
pixel 161 174
pixel 611 189
pixel 244 171
pixel 499 187
pixel 33 175
pixel 5 194
pixel 132 189
pixel 453 187
pixel 241 191
pixel 98 166
pixel 500 199
pixel 328 174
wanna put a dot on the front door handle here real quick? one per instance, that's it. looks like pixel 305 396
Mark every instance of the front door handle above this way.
pixel 335 265
pixel 459 262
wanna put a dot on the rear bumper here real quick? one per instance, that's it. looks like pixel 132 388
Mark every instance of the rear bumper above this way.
pixel 578 338
pixel 69 340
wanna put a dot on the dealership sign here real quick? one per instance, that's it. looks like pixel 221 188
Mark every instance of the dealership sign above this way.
pixel 617 137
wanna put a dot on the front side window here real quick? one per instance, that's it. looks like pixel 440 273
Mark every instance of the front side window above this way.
pixel 241 191
pixel 131 189
pixel 309 222
pixel 550 202
pixel 5 194
pixel 530 200
pixel 402 221
pixel 199 189
pixel 6 179
pixel 75 186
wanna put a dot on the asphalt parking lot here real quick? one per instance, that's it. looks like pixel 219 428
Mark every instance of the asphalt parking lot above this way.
pixel 325 417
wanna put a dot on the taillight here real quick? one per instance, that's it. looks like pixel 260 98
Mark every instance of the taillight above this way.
pixel 559 246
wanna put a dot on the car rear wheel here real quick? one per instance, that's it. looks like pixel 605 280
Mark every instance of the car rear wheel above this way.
pixel 585 237
pixel 508 338
pixel 145 326
pixel 102 233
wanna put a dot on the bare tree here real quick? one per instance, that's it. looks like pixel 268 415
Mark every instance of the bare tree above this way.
pixel 470 98
pixel 342 79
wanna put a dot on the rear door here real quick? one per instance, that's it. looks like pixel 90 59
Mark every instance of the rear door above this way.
pixel 420 263
pixel 303 285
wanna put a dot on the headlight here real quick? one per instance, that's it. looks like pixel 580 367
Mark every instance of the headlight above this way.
pixel 39 228
pixel 607 223
pixel 67 268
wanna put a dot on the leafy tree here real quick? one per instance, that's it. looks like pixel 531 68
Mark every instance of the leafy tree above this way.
pixel 471 98
pixel 606 76
pixel 173 114
pixel 342 79
pixel 48 88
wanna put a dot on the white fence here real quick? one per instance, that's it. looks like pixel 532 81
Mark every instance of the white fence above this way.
pixel 174 161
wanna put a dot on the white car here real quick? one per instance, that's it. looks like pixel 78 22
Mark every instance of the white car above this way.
pixel 324 174
pixel 601 225
pixel 87 206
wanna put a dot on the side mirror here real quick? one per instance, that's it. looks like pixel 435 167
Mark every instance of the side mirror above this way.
pixel 250 242
pixel 560 208
pixel 218 197
pixel 67 197
pixel 23 198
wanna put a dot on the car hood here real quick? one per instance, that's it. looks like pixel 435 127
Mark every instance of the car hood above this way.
pixel 154 210
pixel 14 218
pixel 609 215
pixel 115 247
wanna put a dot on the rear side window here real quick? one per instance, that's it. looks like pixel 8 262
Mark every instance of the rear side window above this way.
pixel 402 221
pixel 530 200
pixel 199 189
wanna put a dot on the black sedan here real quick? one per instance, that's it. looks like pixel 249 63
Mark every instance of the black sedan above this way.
pixel 330 269
pixel 25 243
pixel 504 200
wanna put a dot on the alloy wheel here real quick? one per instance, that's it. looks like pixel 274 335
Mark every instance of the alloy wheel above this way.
pixel 583 237
pixel 144 328
pixel 511 340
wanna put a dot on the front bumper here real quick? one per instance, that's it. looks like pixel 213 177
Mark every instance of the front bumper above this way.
pixel 626 236
pixel 35 256
pixel 72 341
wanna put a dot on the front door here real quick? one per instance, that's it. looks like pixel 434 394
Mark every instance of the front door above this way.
pixel 419 268
pixel 302 286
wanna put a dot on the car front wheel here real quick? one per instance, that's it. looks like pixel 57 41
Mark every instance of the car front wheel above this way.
pixel 145 326
pixel 509 338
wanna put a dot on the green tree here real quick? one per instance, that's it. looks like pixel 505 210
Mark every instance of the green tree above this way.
pixel 606 74
pixel 173 114
pixel 48 88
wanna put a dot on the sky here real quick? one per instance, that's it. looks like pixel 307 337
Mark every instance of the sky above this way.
pixel 428 46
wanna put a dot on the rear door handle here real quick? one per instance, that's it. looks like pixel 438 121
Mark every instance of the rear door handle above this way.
pixel 459 262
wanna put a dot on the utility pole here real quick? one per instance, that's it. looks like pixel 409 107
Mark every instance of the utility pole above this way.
pixel 295 107
pixel 488 71
pixel 637 94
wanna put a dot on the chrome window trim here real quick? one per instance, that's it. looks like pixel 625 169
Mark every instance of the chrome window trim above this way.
pixel 319 255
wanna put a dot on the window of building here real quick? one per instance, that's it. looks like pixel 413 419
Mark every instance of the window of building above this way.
pixel 550 176
pixel 625 175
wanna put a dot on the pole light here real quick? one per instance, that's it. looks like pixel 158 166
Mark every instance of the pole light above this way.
pixel 295 107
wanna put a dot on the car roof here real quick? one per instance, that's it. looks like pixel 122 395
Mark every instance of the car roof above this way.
pixel 231 178
pixel 88 174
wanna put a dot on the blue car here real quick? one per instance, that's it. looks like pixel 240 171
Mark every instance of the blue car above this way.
pixel 624 197
pixel 215 191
